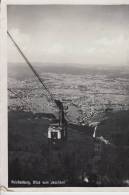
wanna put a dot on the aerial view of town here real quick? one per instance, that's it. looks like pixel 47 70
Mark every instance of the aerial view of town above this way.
pixel 88 95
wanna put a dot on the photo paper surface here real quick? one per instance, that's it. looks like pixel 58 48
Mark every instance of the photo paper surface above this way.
pixel 68 95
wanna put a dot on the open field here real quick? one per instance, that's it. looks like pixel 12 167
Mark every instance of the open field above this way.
pixel 87 92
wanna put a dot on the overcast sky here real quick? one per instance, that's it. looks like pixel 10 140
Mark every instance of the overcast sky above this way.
pixel 81 34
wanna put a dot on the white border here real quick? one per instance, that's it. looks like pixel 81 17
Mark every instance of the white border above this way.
pixel 3 94
pixel 86 2
pixel 3 98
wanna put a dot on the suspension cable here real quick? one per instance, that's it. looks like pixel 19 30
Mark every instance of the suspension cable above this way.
pixel 31 67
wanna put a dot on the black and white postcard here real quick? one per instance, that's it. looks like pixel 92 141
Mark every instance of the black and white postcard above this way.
pixel 68 95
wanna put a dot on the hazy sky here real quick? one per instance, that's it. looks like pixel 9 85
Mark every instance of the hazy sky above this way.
pixel 78 34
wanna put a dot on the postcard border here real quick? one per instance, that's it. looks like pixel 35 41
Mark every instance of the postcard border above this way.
pixel 3 92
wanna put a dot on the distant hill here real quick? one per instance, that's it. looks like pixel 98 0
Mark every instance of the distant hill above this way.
pixel 22 70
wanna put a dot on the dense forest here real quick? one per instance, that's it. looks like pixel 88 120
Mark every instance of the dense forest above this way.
pixel 74 162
